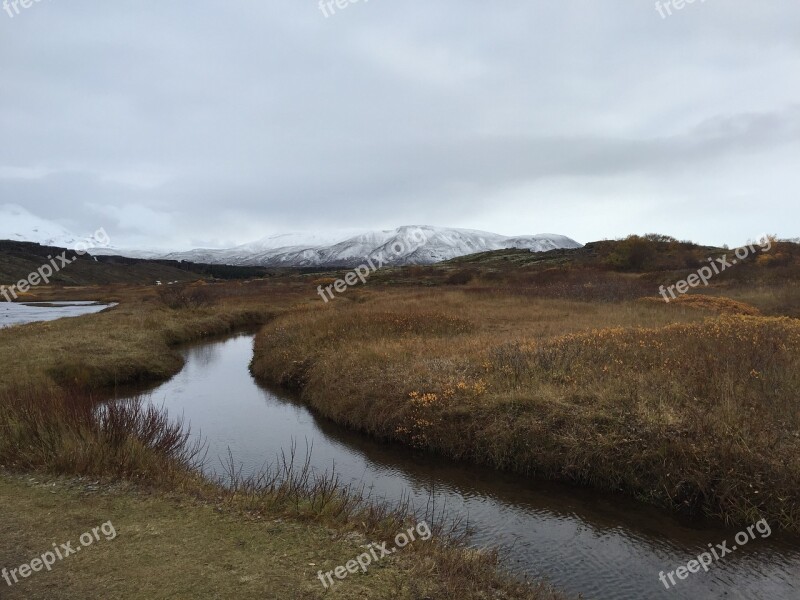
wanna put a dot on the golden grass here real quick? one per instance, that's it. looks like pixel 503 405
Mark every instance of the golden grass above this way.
pixel 50 423
pixel 54 373
pixel 660 401
pixel 177 547
pixel 772 300
pixel 133 342
pixel 716 304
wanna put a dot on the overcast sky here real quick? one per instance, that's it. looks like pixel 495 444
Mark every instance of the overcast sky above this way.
pixel 196 123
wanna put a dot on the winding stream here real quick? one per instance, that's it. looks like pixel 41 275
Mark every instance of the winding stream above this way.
pixel 603 546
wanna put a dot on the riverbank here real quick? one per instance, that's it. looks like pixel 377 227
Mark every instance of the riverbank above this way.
pixel 173 546
pixel 692 408
pixel 146 484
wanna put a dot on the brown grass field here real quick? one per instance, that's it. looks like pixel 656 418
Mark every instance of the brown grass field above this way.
pixel 53 378
pixel 691 405
pixel 563 365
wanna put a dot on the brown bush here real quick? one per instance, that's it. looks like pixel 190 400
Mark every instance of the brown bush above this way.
pixel 182 296
pixel 461 277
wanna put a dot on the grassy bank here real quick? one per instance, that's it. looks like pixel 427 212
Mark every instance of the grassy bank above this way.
pixel 138 340
pixel 180 535
pixel 688 406
pixel 174 546
pixel 54 372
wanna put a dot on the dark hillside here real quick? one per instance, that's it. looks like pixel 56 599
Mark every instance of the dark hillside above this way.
pixel 20 259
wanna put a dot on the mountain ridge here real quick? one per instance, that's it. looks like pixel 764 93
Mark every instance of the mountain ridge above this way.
pixel 405 245
pixel 20 225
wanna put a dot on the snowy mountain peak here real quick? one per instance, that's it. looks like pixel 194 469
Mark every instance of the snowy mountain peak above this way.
pixel 306 239
pixel 406 245
pixel 20 225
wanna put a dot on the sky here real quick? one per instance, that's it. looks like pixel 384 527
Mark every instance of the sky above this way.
pixel 208 124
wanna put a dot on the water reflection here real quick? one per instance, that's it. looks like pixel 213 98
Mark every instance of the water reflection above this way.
pixel 20 313
pixel 603 546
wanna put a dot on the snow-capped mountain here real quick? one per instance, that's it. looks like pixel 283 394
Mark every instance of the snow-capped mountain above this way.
pixel 407 245
pixel 19 225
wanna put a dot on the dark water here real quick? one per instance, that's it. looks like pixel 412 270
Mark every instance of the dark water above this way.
pixel 603 546
pixel 19 313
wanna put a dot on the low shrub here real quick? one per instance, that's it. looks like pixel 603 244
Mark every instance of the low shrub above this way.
pixel 182 296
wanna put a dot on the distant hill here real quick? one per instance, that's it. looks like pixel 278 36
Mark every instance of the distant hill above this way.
pixel 19 259
pixel 624 269
pixel 634 254
pixel 407 245
pixel 20 225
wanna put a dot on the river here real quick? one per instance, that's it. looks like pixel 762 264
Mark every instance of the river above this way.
pixel 604 546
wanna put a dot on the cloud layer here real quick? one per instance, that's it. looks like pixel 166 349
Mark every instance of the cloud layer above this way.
pixel 205 123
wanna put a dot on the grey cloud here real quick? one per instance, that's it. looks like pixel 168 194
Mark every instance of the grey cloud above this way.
pixel 198 121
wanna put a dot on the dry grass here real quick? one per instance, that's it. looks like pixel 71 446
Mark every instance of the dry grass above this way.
pixel 780 300
pixel 133 342
pixel 172 546
pixel 716 304
pixel 69 434
pixel 661 401
pixel 51 424
pixel 54 373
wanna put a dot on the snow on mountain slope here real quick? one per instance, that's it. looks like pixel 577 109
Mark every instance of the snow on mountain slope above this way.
pixel 141 253
pixel 542 242
pixel 408 245
pixel 252 252
pixel 19 225
pixel 445 244
pixel 299 240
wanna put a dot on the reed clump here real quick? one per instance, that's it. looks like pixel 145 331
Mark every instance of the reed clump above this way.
pixel 69 434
